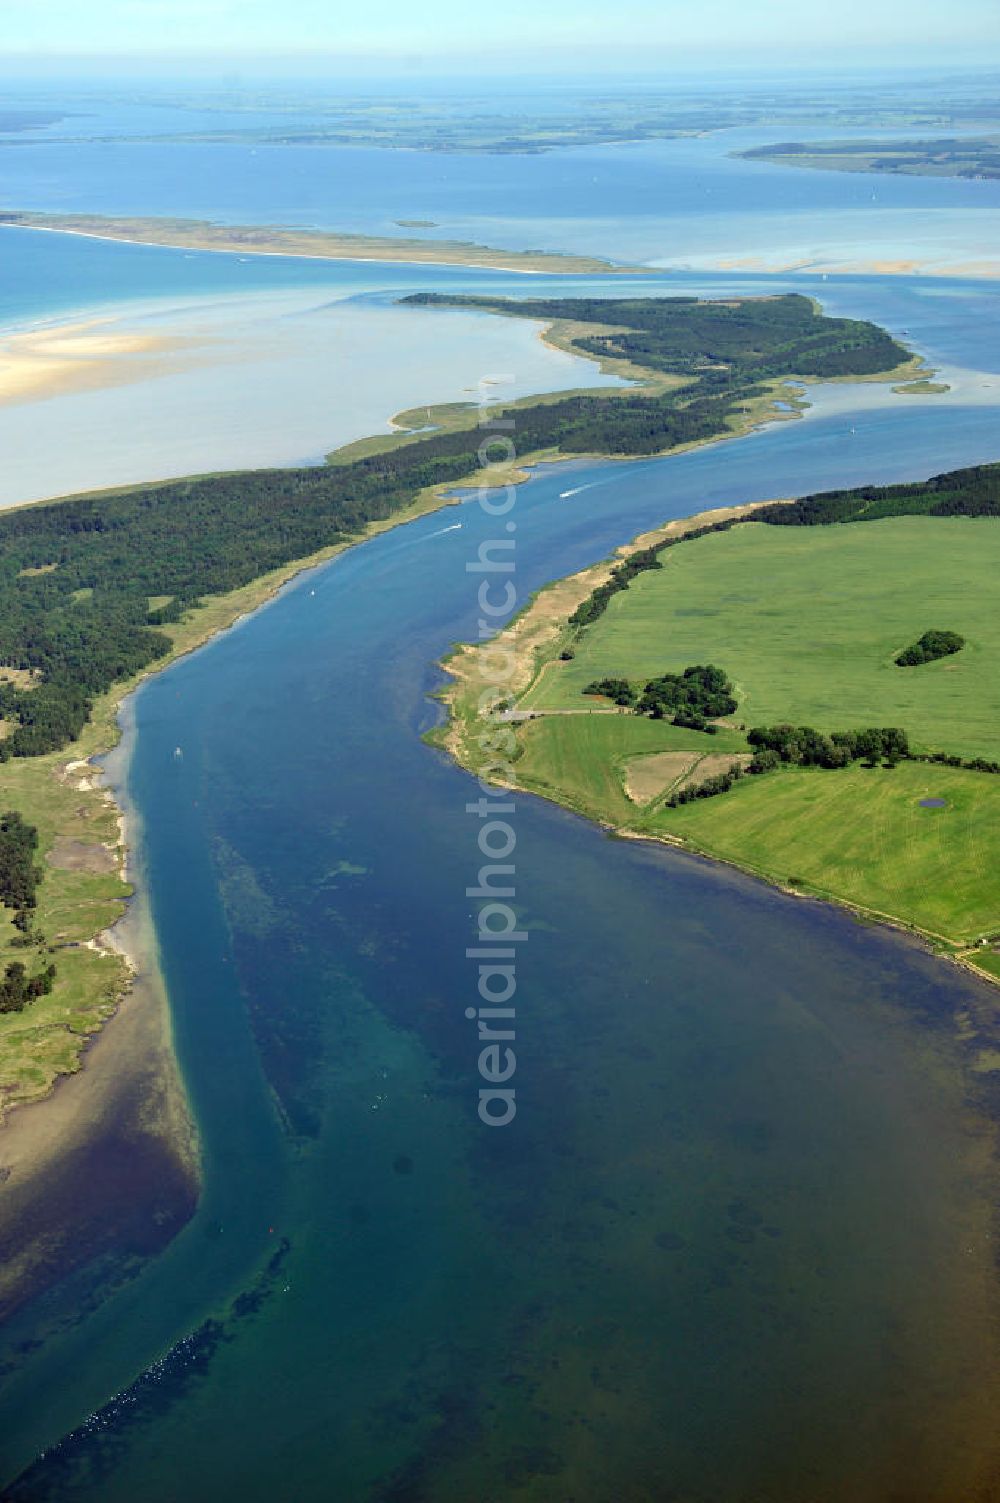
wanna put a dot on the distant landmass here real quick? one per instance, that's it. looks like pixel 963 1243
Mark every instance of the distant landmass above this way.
pixel 20 120
pixel 946 157
pixel 577 117
pixel 279 240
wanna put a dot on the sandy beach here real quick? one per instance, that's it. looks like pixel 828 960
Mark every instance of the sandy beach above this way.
pixel 80 356
pixel 875 266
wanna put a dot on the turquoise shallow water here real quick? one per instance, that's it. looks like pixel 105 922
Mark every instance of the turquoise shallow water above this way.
pixel 259 378
pixel 282 360
pixel 722 1246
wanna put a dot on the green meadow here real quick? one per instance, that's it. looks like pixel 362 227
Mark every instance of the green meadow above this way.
pixel 859 834
pixel 76 900
pixel 862 835
pixel 807 621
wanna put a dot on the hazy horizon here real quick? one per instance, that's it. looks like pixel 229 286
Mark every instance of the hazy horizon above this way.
pixel 303 38
pixel 368 73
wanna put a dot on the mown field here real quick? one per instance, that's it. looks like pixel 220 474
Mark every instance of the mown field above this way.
pixel 858 834
pixel 807 621
pixel 861 834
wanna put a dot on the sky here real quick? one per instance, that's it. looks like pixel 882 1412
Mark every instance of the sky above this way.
pixel 565 33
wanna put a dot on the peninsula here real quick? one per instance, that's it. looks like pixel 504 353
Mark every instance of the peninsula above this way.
pixel 323 245
pixel 731 685
pixel 102 589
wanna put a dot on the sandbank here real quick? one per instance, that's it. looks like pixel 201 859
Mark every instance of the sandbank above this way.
pixel 81 356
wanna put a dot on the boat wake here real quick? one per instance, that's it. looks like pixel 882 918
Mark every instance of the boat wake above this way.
pixel 591 485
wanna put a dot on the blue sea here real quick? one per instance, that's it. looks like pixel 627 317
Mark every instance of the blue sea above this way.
pixel 733 1247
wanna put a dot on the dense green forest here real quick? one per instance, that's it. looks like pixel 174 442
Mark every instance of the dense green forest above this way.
pixel 19 876
pixel 974 492
pixel 718 344
pixel 77 577
pixel 724 351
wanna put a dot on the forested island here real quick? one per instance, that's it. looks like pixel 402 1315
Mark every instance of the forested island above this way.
pixel 975 157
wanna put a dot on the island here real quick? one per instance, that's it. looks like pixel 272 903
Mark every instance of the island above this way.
pixel 955 156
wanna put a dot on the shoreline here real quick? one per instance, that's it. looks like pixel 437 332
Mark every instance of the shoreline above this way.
pixel 833 265
pixel 106 735
pixel 104 732
pixel 144 999
pixel 339 246
pixel 125 1077
pixel 131 935
pixel 126 1085
pixel 538 623
pixel 400 252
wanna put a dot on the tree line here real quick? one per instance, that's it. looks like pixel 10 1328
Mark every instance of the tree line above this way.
pixel 86 621
pixel 973 492
pixel 19 879
pixel 801 746
pixel 19 875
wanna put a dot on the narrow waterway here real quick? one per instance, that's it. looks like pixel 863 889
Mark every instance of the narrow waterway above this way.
pixel 738 1234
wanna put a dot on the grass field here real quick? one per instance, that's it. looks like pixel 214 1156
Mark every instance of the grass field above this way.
pixel 807 622
pixel 45 1039
pixel 861 835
